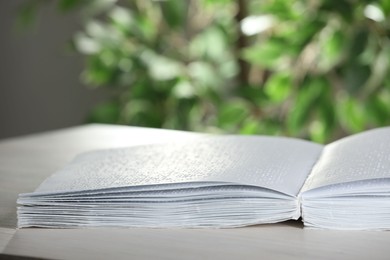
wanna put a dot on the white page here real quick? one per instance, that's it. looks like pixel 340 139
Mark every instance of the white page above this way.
pixel 364 156
pixel 281 164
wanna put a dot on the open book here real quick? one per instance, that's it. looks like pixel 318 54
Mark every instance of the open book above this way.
pixel 221 181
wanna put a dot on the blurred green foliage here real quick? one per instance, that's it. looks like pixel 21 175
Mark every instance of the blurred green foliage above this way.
pixel 315 69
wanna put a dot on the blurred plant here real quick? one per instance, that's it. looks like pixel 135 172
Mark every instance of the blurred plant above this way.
pixel 315 69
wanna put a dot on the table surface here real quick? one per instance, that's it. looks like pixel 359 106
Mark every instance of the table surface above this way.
pixel 26 161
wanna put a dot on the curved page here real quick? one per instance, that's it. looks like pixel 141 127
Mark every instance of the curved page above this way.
pixel 351 160
pixel 280 164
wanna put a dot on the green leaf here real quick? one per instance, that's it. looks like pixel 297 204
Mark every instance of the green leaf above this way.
pixel 161 67
pixel 343 8
pixel 216 44
pixel 267 54
pixel 250 126
pixel 322 125
pixel 147 28
pixel 107 112
pixel 358 42
pixel 385 6
pixel 143 113
pixel 96 29
pixel 204 75
pixel 278 87
pixel 174 12
pixel 232 113
pixel 184 89
pixel 327 114
pixel 122 18
pixel 97 73
pixel 182 113
pixel 356 75
pixel 298 35
pixel 318 131
pixel 306 104
pixel 351 114
pixel 378 108
pixel 332 48
pixel 211 44
pixel 283 9
pixel 252 93
pixel 85 44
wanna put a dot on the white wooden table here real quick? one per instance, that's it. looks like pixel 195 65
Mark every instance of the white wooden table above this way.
pixel 26 161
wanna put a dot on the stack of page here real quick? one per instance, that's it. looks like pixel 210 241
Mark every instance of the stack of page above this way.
pixel 220 181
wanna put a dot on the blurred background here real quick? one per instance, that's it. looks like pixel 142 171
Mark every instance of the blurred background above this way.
pixel 315 69
pixel 39 76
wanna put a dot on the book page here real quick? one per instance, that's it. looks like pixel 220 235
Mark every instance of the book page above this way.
pixel 364 156
pixel 281 164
